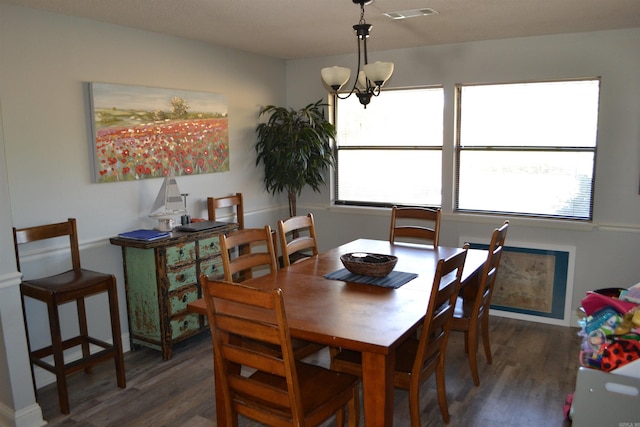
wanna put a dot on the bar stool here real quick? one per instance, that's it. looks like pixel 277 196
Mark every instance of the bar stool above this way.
pixel 72 285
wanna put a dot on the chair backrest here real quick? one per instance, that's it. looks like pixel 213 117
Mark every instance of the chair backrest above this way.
pixel 490 270
pixel 437 323
pixel 415 223
pixel 49 231
pixel 244 250
pixel 297 236
pixel 234 201
pixel 238 313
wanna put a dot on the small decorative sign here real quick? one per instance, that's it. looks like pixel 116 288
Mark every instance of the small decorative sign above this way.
pixel 142 132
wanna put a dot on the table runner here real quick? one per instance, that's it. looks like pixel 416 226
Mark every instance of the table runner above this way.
pixel 394 280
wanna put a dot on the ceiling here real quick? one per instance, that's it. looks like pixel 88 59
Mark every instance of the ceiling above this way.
pixel 291 29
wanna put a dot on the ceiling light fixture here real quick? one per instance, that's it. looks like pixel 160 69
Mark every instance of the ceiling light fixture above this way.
pixel 369 77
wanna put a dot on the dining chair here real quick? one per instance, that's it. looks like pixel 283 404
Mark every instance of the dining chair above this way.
pixel 415 223
pixel 297 238
pixel 471 315
pixel 270 387
pixel 417 358
pixel 234 201
pixel 72 285
pixel 243 252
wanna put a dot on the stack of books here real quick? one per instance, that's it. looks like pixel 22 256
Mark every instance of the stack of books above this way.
pixel 145 235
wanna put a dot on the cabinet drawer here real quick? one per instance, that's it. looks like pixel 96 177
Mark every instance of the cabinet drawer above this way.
pixel 209 247
pixel 179 299
pixel 212 268
pixel 180 254
pixel 182 277
pixel 186 324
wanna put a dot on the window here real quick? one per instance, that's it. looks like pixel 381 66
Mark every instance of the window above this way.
pixel 534 142
pixel 391 152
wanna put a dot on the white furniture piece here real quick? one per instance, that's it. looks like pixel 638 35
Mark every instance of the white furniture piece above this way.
pixel 607 398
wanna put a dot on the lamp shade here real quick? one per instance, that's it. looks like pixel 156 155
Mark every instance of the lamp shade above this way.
pixel 361 84
pixel 378 72
pixel 335 76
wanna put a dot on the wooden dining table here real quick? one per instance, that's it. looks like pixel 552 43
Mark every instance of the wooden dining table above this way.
pixel 367 318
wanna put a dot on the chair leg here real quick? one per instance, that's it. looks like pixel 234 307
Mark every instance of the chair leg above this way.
pixel 485 338
pixel 116 335
pixel 354 409
pixel 26 329
pixel 58 357
pixel 473 352
pixel 340 417
pixel 414 402
pixel 84 332
pixel 442 390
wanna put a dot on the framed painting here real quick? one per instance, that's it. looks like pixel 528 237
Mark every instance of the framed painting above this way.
pixel 534 282
pixel 142 132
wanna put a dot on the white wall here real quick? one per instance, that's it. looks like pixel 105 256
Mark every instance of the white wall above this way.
pixel 607 251
pixel 45 62
pixel 16 391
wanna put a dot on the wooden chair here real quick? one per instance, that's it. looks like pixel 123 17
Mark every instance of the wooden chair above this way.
pixel 299 246
pixel 234 201
pixel 244 244
pixel 73 285
pixel 266 386
pixel 425 224
pixel 471 314
pixel 418 358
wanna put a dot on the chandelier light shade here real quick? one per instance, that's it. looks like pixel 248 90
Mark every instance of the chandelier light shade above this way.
pixel 369 77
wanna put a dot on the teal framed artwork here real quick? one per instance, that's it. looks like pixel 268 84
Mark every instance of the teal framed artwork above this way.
pixel 143 132
pixel 534 282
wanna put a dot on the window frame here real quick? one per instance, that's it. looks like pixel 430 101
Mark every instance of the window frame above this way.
pixel 451 151
pixel 459 149
pixel 333 107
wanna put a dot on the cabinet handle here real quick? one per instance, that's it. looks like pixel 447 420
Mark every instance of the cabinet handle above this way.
pixel 181 253
pixel 186 324
pixel 184 298
pixel 181 278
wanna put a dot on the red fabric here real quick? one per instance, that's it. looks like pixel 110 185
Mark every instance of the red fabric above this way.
pixel 619 353
pixel 595 301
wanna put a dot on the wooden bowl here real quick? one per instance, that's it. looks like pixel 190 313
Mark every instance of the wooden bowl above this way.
pixel 365 264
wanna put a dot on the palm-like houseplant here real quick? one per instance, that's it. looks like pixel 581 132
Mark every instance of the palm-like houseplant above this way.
pixel 295 148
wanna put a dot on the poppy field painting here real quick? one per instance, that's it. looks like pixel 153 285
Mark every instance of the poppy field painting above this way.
pixel 141 132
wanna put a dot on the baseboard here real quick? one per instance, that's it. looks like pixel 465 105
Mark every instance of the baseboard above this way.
pixel 31 416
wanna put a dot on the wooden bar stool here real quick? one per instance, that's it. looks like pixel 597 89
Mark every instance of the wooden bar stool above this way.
pixel 72 285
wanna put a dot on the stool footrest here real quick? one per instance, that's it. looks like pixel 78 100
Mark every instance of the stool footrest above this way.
pixel 76 365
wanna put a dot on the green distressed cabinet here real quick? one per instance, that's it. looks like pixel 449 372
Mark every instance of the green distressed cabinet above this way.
pixel 161 278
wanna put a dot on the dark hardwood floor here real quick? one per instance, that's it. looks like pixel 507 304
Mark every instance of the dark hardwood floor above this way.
pixel 534 368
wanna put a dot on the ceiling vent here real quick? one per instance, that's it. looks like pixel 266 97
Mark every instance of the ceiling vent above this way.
pixel 404 14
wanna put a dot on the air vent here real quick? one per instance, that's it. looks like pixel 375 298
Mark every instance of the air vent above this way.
pixel 404 14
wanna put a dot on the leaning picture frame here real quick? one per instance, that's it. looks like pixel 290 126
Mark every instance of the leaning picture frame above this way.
pixel 141 132
pixel 534 282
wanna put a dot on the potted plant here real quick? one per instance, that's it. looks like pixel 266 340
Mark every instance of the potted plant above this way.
pixel 295 148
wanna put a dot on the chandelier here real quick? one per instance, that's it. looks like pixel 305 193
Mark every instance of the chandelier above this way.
pixel 369 77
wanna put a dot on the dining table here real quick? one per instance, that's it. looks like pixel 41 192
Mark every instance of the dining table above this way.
pixel 373 319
